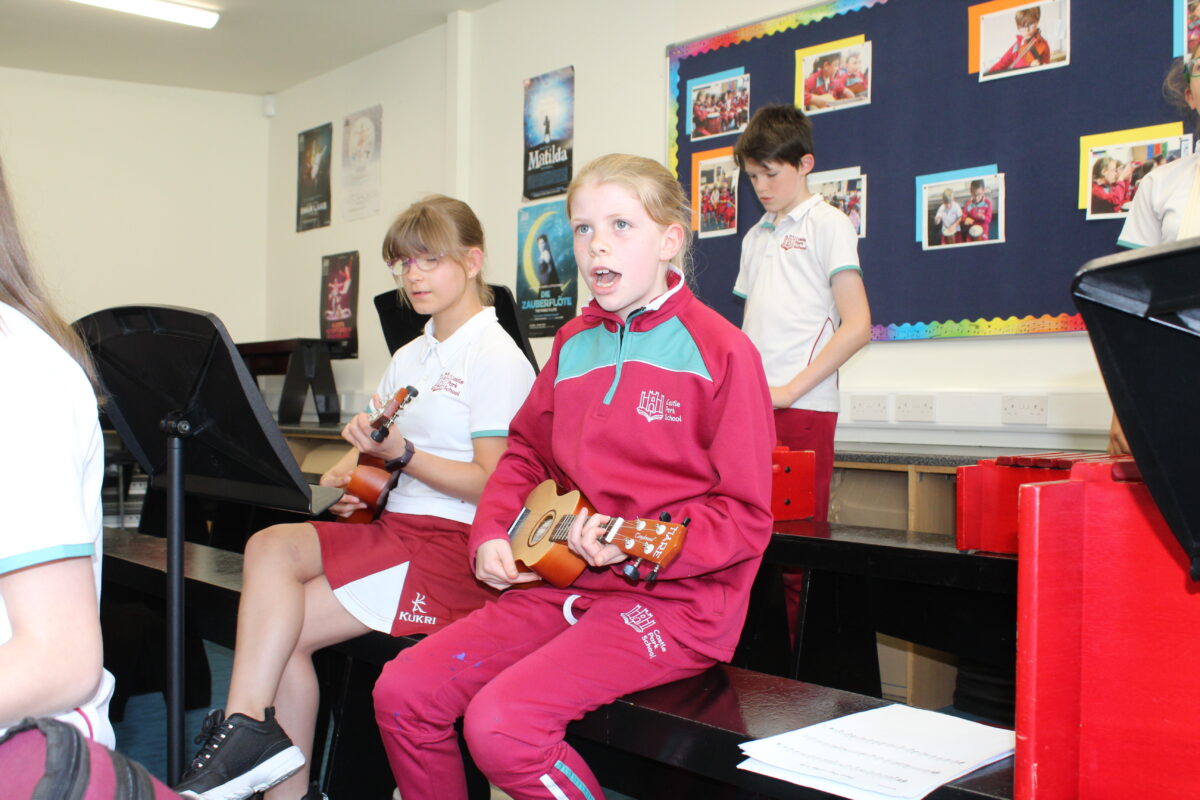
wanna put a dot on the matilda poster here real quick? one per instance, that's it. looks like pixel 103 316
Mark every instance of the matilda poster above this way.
pixel 549 132
pixel 312 178
pixel 339 300
pixel 546 277
pixel 362 135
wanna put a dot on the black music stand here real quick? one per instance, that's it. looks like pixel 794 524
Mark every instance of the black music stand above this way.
pixel 172 377
pixel 401 324
pixel 1142 310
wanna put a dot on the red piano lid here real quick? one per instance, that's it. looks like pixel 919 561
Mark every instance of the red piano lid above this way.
pixel 1054 459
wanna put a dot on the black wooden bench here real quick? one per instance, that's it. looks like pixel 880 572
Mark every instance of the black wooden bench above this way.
pixel 676 740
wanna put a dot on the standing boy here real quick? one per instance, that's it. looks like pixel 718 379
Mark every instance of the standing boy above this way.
pixel 806 307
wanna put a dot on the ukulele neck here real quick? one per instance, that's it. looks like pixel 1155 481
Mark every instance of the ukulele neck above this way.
pixel 612 529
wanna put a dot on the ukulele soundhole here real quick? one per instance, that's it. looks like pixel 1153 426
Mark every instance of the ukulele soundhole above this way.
pixel 541 529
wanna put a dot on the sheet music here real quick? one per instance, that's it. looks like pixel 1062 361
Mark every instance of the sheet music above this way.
pixel 885 753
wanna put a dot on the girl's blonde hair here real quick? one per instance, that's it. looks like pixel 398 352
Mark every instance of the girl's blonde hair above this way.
pixel 437 225
pixel 1101 165
pixel 653 185
pixel 21 289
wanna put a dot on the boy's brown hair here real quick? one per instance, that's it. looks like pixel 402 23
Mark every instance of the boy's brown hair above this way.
pixel 776 133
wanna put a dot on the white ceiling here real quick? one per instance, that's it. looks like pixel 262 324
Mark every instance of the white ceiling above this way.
pixel 257 47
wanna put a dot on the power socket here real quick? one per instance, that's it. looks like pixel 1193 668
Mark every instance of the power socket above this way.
pixel 1023 409
pixel 915 408
pixel 869 407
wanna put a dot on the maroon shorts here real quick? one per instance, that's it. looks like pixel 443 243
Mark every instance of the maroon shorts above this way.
pixel 402 573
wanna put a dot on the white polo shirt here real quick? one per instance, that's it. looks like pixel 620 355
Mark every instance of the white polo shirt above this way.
pixel 1159 204
pixel 50 477
pixel 784 277
pixel 469 387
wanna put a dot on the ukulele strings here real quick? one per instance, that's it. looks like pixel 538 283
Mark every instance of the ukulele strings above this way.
pixel 564 526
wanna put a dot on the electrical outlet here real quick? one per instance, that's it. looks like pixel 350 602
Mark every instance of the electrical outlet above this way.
pixel 1023 409
pixel 869 407
pixel 915 408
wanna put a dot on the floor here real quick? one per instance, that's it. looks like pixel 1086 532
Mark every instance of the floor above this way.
pixel 141 735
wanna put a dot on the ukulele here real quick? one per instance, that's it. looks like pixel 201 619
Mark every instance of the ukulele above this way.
pixel 539 537
pixel 371 480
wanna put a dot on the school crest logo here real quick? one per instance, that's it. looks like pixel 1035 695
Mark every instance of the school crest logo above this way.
pixel 448 382
pixel 791 242
pixel 639 618
pixel 651 405
pixel 655 406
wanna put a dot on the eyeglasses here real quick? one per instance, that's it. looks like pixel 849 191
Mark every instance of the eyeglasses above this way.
pixel 425 263
pixel 1191 67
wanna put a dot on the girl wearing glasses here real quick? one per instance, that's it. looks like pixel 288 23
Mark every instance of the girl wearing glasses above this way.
pixel 311 585
pixel 1167 204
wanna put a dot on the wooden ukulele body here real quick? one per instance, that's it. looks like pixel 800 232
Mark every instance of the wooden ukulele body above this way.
pixel 535 546
pixel 538 537
pixel 370 482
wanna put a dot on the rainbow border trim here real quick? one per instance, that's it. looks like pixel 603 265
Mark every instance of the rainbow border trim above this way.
pixel 979 327
pixel 879 333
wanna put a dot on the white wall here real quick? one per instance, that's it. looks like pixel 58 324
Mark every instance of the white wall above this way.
pixel 130 193
pixel 409 80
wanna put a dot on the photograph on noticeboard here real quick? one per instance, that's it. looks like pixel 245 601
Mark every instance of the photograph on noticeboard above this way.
pixel 834 76
pixel 1115 172
pixel 1025 39
pixel 964 212
pixel 845 190
pixel 721 107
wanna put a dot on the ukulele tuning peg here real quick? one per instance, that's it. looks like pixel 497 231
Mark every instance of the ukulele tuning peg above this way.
pixel 380 434
pixel 664 517
pixel 631 570
pixel 653 576
pixel 686 521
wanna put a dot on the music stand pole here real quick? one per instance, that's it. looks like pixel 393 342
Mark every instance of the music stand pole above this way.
pixel 175 429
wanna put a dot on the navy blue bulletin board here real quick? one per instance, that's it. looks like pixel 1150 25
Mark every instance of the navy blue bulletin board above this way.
pixel 929 114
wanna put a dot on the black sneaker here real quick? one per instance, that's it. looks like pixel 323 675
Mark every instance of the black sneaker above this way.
pixel 238 757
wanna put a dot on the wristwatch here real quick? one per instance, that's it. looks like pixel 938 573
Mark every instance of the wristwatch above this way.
pixel 400 462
